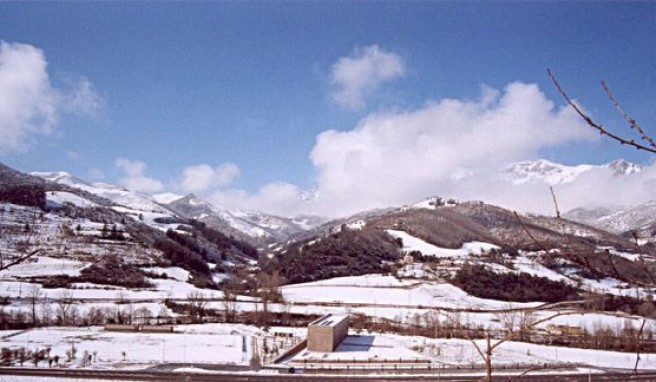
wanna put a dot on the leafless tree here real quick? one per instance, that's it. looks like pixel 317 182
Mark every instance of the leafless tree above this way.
pixel 197 306
pixel 229 305
pixel 646 143
pixel 268 291
pixel 65 310
pixel 34 297
pixel 526 318
pixel 23 244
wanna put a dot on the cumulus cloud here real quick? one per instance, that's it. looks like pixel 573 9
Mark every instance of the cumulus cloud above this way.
pixel 602 187
pixel 357 76
pixel 30 105
pixel 134 177
pixel 82 97
pixel 390 158
pixel 448 147
pixel 279 198
pixel 203 177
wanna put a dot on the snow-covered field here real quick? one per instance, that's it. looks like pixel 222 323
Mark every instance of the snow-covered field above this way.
pixel 58 198
pixel 411 243
pixel 426 294
pixel 218 344
pixel 45 266
pixel 233 344
pixel 374 348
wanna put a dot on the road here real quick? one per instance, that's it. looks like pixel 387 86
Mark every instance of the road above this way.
pixel 167 376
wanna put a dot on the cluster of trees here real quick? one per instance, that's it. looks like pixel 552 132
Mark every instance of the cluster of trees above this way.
pixel 106 233
pixel 64 310
pixel 180 255
pixel 626 304
pixel 20 355
pixel 9 357
pixel 222 242
pixel 345 253
pixel 32 195
pixel 110 271
pixel 479 281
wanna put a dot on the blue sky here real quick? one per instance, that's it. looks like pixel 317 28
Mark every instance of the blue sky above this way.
pixel 247 88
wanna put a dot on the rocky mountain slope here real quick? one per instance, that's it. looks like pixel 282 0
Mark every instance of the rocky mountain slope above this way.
pixel 449 229
pixel 255 227
pixel 102 235
pixel 623 220
pixel 640 219
pixel 252 226
pixel 68 220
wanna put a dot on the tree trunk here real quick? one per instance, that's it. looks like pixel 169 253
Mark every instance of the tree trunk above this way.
pixel 488 360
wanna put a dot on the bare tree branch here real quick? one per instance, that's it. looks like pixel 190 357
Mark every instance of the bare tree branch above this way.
pixel 600 128
pixel 632 122
pixel 19 260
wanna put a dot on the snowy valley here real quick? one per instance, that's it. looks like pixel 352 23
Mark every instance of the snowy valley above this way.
pixel 129 280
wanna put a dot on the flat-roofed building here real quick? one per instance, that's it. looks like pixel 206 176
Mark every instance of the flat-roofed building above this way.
pixel 326 333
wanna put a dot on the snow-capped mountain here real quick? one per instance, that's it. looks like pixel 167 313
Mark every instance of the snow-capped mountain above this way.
pixel 616 219
pixel 247 225
pixel 258 226
pixel 640 219
pixel 622 167
pixel 555 173
pixel 166 197
pixel 134 200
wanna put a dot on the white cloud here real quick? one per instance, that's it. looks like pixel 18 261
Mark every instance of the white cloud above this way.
pixel 448 147
pixel 279 198
pixel 356 77
pixel 29 104
pixel 601 187
pixel 134 177
pixel 392 158
pixel 82 97
pixel 203 177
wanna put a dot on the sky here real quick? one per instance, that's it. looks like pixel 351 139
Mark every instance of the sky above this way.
pixel 325 108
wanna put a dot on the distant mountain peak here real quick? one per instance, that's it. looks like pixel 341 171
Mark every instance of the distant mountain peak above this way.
pixel 166 197
pixel 555 173
pixel 623 167
pixel 253 225
pixel 61 177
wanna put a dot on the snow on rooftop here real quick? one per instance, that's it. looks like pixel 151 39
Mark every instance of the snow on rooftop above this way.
pixel 329 320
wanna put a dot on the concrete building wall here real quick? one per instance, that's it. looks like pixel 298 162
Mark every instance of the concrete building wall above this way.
pixel 320 339
pixel 326 333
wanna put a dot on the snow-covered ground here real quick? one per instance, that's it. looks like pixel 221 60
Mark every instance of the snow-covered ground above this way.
pixel 372 280
pixel 221 343
pixel 366 347
pixel 523 264
pixel 411 243
pixel 58 198
pixel 175 273
pixel 45 266
pixel 426 294
pixel 233 344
